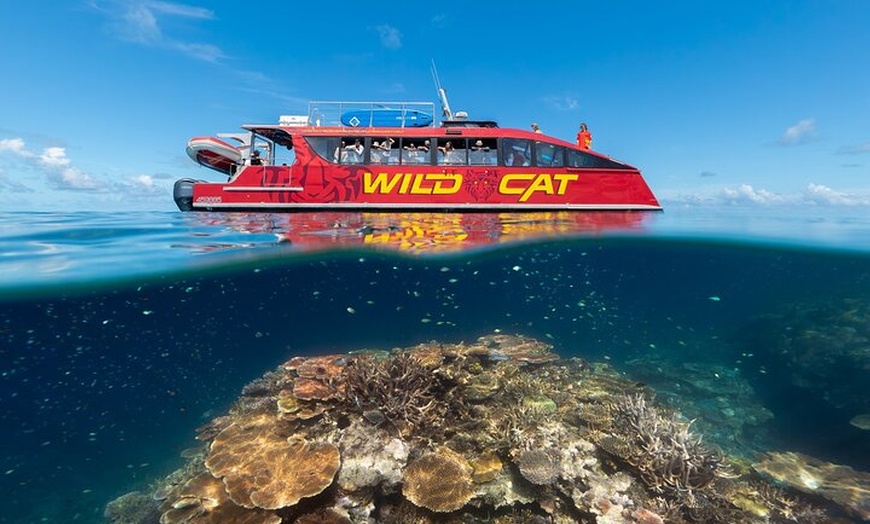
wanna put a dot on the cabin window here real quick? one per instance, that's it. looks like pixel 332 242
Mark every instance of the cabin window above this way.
pixel 549 155
pixel 516 152
pixel 384 150
pixel 452 152
pixel 324 146
pixel 483 152
pixel 583 159
pixel 415 151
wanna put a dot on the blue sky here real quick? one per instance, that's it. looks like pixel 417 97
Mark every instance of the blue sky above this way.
pixel 762 102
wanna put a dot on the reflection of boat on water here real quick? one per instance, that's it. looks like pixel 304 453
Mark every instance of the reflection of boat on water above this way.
pixel 418 232
pixel 392 156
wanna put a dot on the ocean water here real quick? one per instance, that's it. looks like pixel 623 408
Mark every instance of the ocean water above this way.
pixel 121 333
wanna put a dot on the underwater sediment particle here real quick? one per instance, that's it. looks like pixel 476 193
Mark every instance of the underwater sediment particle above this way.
pixel 842 485
pixel 437 482
pixel 260 468
pixel 203 500
pixel 540 466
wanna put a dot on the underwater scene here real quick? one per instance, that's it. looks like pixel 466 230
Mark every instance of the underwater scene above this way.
pixel 679 367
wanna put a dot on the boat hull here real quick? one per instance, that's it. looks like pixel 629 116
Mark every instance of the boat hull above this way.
pixel 282 188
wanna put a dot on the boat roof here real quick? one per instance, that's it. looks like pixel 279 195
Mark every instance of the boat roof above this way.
pixel 282 135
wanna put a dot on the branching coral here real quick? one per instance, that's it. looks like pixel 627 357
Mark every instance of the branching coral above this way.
pixel 668 455
pixel 400 387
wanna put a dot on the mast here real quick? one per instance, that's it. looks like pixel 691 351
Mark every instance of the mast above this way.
pixel 442 94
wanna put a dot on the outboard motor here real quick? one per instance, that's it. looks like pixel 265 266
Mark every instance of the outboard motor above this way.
pixel 182 192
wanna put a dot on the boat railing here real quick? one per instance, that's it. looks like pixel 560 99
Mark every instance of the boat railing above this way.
pixel 371 114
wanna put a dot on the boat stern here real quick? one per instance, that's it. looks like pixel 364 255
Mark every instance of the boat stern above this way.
pixel 182 192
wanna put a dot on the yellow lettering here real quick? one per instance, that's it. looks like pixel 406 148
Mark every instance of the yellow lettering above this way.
pixel 413 183
pixel 441 181
pixel 405 183
pixel 505 188
pixel 417 188
pixel 527 184
pixel 563 180
pixel 542 183
pixel 382 183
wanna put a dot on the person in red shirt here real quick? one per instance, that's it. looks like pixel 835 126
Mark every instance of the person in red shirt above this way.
pixel 584 137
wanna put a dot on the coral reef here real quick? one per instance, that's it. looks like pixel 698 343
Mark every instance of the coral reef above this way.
pixel 837 483
pixel 824 347
pixel 497 430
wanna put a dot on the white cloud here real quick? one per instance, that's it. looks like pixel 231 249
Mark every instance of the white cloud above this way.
pixel 53 163
pixel 800 133
pixel 14 145
pixel 138 21
pixel 440 21
pixel 746 194
pixel 819 194
pixel 391 38
pixel 562 102
pixel 54 157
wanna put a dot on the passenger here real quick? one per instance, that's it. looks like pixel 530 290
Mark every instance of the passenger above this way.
pixel 535 128
pixel 519 159
pixel 584 137
pixel 478 146
pixel 255 158
pixel 424 147
pixel 376 153
pixel 355 152
pixel 338 155
pixel 450 155
pixel 388 157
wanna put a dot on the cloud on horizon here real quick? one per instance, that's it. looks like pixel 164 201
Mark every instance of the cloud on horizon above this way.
pixel 746 194
pixel 53 163
pixel 139 21
pixel 803 132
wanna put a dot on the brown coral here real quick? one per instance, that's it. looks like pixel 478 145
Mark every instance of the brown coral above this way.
pixel 486 467
pixel 539 466
pixel 313 389
pixel 260 468
pixel 519 350
pixel 438 482
pixel 840 484
pixel 329 367
pixel 400 387
pixel 202 500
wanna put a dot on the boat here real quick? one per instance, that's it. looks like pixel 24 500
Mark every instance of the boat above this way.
pixel 214 153
pixel 369 156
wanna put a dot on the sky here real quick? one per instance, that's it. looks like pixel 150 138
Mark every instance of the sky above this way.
pixel 747 101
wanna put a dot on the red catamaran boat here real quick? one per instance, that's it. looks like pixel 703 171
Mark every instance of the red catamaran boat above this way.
pixel 393 156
